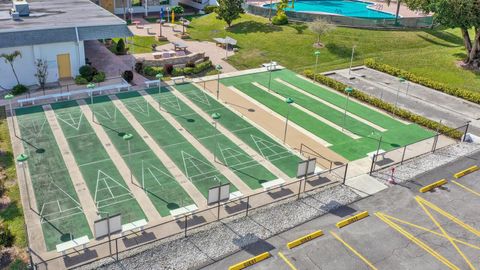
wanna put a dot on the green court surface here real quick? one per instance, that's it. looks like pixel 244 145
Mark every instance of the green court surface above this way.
pixel 160 186
pixel 107 187
pixel 193 164
pixel 62 216
pixel 397 133
pixel 256 139
pixel 245 167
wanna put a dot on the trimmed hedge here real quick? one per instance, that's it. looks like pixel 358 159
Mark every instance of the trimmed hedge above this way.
pixel 407 115
pixel 457 92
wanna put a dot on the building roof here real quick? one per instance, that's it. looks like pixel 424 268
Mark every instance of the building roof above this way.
pixel 52 21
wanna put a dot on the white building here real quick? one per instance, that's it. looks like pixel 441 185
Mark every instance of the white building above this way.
pixel 55 31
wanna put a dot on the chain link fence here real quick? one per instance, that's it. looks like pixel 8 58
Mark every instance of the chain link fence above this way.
pixel 411 22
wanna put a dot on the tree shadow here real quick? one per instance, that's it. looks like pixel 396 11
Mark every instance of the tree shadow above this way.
pixel 253 27
pixel 341 50
pixel 435 42
pixel 446 36
pixel 299 27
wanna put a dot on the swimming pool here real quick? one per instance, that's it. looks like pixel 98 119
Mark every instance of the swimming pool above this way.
pixel 341 7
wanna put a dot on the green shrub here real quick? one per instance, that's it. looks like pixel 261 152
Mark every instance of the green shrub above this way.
pixel 87 72
pixel 188 71
pixel 280 19
pixel 19 89
pixel 152 71
pixel 80 80
pixel 99 77
pixel 178 10
pixel 461 93
pixel 210 9
pixel 121 47
pixel 202 67
pixel 177 72
pixel 6 236
pixel 407 115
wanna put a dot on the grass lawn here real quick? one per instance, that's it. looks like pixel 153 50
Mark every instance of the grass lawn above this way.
pixel 141 44
pixel 428 53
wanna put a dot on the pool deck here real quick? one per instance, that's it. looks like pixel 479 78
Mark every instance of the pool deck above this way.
pixel 405 12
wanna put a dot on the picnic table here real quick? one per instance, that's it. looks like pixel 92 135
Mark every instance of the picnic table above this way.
pixel 179 46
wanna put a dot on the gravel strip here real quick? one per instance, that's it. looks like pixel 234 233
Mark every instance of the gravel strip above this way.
pixel 221 239
pixel 417 166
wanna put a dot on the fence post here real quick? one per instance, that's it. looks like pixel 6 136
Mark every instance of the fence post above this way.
pixel 372 167
pixel 403 155
pixel 186 223
pixel 248 205
pixel 435 141
pixel 345 174
pixel 466 131
pixel 116 247
pixel 299 188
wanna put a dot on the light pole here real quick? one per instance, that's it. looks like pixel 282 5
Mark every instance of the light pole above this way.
pixel 401 80
pixel 351 62
pixel 218 68
pixel 289 102
pixel 91 86
pixel 348 90
pixel 270 69
pixel 9 97
pixel 127 137
pixel 317 54
pixel 159 76
pixel 22 161
pixel 215 116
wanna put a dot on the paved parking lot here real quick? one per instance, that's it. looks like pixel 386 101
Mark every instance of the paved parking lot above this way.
pixel 405 230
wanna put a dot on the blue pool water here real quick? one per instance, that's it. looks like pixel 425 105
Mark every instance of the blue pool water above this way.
pixel 341 7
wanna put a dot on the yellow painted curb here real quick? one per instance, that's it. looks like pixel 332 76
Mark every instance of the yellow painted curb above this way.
pixel 466 171
pixel 353 219
pixel 433 185
pixel 304 239
pixel 250 262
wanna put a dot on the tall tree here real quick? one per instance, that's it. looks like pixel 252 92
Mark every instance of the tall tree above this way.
pixel 9 59
pixel 464 14
pixel 320 27
pixel 229 10
pixel 42 73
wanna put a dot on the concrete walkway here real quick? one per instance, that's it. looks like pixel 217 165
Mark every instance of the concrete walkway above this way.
pixel 147 206
pixel 86 201
pixel 103 59
pixel 214 52
pixel 252 153
pixel 233 178
pixel 164 158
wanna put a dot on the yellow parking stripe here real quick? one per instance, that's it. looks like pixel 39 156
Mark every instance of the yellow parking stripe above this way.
pixel 367 262
pixel 466 188
pixel 417 241
pixel 446 235
pixel 449 216
pixel 287 261
pixel 430 231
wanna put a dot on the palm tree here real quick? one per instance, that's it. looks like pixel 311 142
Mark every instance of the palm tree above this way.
pixel 399 2
pixel 10 58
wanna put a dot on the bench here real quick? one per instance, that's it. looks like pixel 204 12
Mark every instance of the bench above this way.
pixel 81 241
pixel 179 78
pixel 381 153
pixel 183 211
pixel 148 83
pixel 235 195
pixel 148 28
pixel 139 224
pixel 273 184
pixel 60 96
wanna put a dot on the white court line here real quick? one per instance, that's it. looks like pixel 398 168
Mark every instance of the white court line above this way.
pixel 79 135
pixel 93 162
pixel 138 152
pixel 44 220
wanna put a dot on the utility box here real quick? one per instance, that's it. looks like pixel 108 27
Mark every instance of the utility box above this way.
pixel 22 8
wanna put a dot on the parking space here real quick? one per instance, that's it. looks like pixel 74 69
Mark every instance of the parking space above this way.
pixel 406 229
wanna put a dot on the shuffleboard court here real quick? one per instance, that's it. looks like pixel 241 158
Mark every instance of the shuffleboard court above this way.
pixel 244 166
pixel 108 189
pixel 281 157
pixel 397 133
pixel 61 214
pixel 160 186
pixel 189 160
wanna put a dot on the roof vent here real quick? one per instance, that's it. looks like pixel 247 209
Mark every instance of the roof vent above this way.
pixel 21 7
